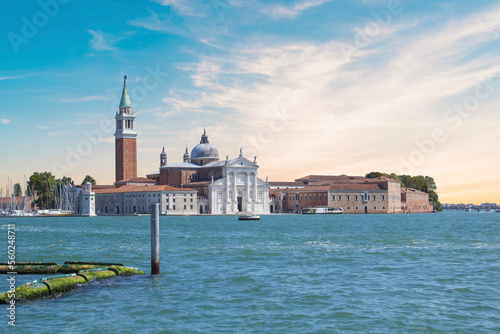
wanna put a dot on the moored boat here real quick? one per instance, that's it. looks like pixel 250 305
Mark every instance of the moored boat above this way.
pixel 249 217
pixel 324 210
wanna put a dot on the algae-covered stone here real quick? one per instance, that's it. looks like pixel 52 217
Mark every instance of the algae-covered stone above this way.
pixel 33 290
pixel 126 271
pixel 74 268
pixel 96 274
pixel 29 268
pixel 63 284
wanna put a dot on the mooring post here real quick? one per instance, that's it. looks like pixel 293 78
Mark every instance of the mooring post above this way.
pixel 155 239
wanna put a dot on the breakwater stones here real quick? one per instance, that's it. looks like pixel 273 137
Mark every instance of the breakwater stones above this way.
pixel 75 273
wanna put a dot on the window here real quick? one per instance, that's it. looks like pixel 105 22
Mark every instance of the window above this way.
pixel 348 197
pixel 301 197
pixel 356 198
pixel 289 197
pixel 314 196
pixel 374 208
pixel 310 197
pixel 191 207
pixel 333 197
pixel 374 197
pixel 174 207
pixel 184 207
pixel 348 208
pixel 340 197
pixel 357 208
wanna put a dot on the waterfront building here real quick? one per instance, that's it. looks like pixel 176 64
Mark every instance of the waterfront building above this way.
pixel 133 199
pixel 200 184
pixel 415 201
pixel 354 194
pixel 224 187
pixel 88 201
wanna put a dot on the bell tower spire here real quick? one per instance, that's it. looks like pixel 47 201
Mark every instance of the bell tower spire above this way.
pixel 125 138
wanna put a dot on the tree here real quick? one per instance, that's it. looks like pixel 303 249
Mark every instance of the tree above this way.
pixel 90 179
pixel 431 184
pixel 44 184
pixel 17 190
pixel 374 175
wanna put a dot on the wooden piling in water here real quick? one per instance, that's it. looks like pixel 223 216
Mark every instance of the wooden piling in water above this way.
pixel 155 239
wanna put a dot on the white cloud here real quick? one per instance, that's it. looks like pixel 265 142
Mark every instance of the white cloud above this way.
pixel 102 41
pixel 291 12
pixel 309 100
pixel 4 121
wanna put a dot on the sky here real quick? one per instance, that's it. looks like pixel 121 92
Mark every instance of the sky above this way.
pixel 308 86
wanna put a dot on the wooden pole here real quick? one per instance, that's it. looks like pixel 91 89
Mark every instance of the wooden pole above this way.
pixel 155 239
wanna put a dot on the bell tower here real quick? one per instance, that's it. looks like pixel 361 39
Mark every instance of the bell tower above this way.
pixel 125 139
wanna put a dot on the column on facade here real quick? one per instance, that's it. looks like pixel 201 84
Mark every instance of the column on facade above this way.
pixel 227 188
pixel 248 186
pixel 255 187
pixel 235 195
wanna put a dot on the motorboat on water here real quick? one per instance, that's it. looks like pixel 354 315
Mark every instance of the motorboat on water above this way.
pixel 323 210
pixel 249 217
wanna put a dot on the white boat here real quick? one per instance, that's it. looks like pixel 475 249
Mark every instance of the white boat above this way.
pixel 468 209
pixel 324 210
pixel 249 217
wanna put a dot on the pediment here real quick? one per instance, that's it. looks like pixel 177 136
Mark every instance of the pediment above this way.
pixel 241 162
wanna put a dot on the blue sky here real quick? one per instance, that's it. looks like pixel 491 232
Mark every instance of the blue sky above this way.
pixel 308 86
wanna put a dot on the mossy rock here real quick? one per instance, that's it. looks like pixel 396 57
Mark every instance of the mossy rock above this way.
pixel 30 268
pixel 74 268
pixel 63 284
pixel 96 274
pixel 33 290
pixel 126 271
pixel 98 264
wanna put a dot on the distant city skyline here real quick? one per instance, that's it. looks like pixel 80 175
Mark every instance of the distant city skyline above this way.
pixel 307 86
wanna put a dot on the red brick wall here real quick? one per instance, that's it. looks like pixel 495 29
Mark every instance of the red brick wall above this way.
pixel 125 158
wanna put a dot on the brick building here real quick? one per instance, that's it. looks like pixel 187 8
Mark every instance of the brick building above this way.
pixel 353 194
pixel 414 201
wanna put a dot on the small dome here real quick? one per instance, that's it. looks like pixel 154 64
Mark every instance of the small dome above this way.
pixel 163 153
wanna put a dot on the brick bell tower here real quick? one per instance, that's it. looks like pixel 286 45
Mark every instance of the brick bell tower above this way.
pixel 125 139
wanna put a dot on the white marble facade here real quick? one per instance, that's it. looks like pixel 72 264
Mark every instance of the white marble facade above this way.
pixel 239 190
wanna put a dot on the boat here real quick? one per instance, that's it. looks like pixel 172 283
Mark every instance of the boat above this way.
pixel 249 217
pixel 468 209
pixel 498 210
pixel 324 210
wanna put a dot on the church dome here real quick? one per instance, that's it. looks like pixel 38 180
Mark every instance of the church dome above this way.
pixel 204 151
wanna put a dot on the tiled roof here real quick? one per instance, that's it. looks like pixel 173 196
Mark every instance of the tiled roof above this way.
pixel 132 188
pixel 286 184
pixel 413 191
pixel 357 187
pixel 137 180
pixel 107 186
pixel 329 178
pixel 181 165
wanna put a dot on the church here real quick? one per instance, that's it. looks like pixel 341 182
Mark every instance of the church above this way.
pixel 201 182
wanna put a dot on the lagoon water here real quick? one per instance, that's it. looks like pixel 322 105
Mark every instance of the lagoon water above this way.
pixel 419 273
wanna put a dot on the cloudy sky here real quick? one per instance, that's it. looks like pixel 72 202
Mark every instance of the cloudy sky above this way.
pixel 307 86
